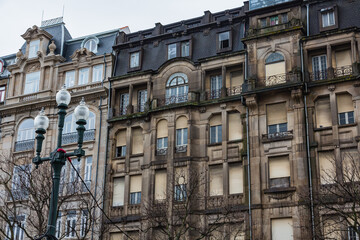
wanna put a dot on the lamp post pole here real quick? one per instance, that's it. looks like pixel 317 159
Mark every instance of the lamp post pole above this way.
pixel 58 157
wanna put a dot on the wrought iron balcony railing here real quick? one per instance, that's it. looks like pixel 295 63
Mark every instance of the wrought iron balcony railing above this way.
pixel 161 151
pixel 24 145
pixel 213 94
pixel 277 135
pixel 343 71
pixel 331 73
pixel 181 148
pixel 271 81
pixel 172 100
pixel 72 137
pixel 234 90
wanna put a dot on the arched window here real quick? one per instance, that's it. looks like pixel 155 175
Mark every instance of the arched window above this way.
pixel 177 88
pixel 26 130
pixel 275 69
pixel 90 43
pixel 70 123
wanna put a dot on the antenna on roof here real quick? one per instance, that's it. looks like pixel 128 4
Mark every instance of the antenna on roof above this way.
pixel 42 16
pixel 63 11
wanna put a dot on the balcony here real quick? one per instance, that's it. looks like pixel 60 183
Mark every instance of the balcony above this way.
pixel 272 81
pixel 161 151
pixel 24 145
pixel 181 148
pixel 214 94
pixel 68 138
pixel 278 136
pixel 331 73
pixel 293 24
pixel 172 100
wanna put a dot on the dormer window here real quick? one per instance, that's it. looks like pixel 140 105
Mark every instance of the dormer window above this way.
pixel 91 44
pixel 223 41
pixel 328 18
pixel 34 48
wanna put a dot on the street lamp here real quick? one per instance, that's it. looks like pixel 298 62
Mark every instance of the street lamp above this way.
pixel 58 156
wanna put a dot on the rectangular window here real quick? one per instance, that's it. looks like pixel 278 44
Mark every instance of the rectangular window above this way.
pixel 160 185
pixel 319 66
pixel 84 223
pixel 162 143
pixel 34 48
pixel 185 49
pixel 20 182
pixel 353 234
pixel 216 134
pixel 124 103
pixel 216 180
pixel 97 74
pixel 284 18
pixel 345 109
pixel 121 143
pixel 282 228
pixel 17 228
pixel 58 226
pixel 181 137
pixel 135 189
pixel 263 22
pixel 224 40
pixel 215 86
pixel 172 50
pixel 180 193
pixel 276 120
pixel 70 78
pixel 70 224
pixel 235 127
pixel 32 82
pixel 142 99
pixel 236 185
pixel 73 177
pixel 134 59
pixel 279 172
pixel 87 173
pixel 137 141
pixel 323 112
pixel 83 76
pixel 274 20
pixel 118 192
pixel 328 18
pixel 327 167
pixel 2 94
pixel 350 165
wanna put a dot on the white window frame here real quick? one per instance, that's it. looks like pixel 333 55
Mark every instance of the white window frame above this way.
pixel 27 132
pixel 32 82
pixel 2 94
pixel 34 48
pixel 215 86
pixel 91 45
pixel 83 76
pixel 58 226
pixel 328 18
pixel 162 141
pixel 177 88
pixel 20 181
pixel 17 230
pixel 172 51
pixel 321 71
pixel 84 222
pixel 70 78
pixel 224 36
pixel 346 117
pixel 70 123
pixel 124 103
pixel 142 99
pixel 185 49
pixel 70 228
pixel 87 172
pixel 97 74
pixel 135 59
pixel 217 138
pixel 183 138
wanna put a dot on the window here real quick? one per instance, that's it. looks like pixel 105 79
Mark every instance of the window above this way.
pixel 91 45
pixel 185 49
pixel 162 137
pixel 235 126
pixel 97 74
pixel 224 40
pixel 284 18
pixel 274 20
pixel 282 228
pixel 34 48
pixel 350 165
pixel 124 103
pixel 216 180
pixel 323 112
pixel 319 67
pixel 215 129
pixel 70 231
pixel 135 189
pixel 70 123
pixel 121 144
pixel 87 173
pixel 327 167
pixel 160 185
pixel 26 130
pixel 328 18
pixel 343 59
pixel 2 94
pixel 134 59
pixel 181 134
pixel 177 88
pixel 58 226
pixel 17 227
pixel 142 99
pixel 172 50
pixel 83 76
pixel 353 233
pixel 263 22
pixel 215 86
pixel 236 81
pixel 20 182
pixel 345 109
pixel 236 185
pixel 276 120
pixel 279 172
pixel 32 82
pixel 180 184
pixel 275 69
pixel 70 78
pixel 118 192
pixel 73 176
pixel 137 141
pixel 84 223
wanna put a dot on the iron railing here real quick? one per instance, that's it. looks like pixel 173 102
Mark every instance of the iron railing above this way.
pixel 161 151
pixel 181 148
pixel 24 145
pixel 213 94
pixel 277 135
pixel 319 75
pixel 343 71
pixel 279 79
pixel 173 100
pixel 72 137
pixel 236 90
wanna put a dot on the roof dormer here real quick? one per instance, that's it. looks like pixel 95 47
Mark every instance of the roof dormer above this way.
pixel 37 41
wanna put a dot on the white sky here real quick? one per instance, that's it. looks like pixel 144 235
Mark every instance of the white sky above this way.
pixel 84 17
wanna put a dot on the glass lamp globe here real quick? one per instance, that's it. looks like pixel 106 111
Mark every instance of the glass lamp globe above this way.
pixel 63 96
pixel 81 111
pixel 41 120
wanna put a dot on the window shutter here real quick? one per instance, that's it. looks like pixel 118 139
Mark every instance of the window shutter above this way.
pixel 350 162
pixel 116 236
pixel 236 78
pixel 282 229
pixel 216 180
pixel 235 126
pixel 162 129
pixel 121 138
pixel 135 183
pixel 323 112
pixel 327 168
pixel 344 103
pixel 160 184
pixel 236 179
pixel 276 113
pixel 118 194
pixel 137 141
pixel 181 122
pixel 180 175
pixel 275 69
pixel 215 120
pixel 279 167
pixel 343 58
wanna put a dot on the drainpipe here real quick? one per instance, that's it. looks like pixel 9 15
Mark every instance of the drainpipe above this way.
pixel 308 141
pixel 307 20
pixel 98 150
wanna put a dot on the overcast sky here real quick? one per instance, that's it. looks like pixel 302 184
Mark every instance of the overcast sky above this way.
pixel 84 17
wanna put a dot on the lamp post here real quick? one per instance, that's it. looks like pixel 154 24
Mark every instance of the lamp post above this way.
pixel 58 156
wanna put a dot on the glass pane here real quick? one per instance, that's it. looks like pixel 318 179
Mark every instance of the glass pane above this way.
pixel 178 137
pixel 325 20
pixel 185 49
pixel 219 132
pixel 282 127
pixel 185 137
pixel 331 18
pixel 134 59
pixel 351 117
pixel 272 129
pixel 172 51
pixel 213 134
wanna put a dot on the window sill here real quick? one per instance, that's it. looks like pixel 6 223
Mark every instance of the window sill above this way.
pixel 136 155
pixel 280 190
pixel 322 129
pixel 214 144
pixel 218 51
pixel 348 125
pixel 119 158
pixel 235 141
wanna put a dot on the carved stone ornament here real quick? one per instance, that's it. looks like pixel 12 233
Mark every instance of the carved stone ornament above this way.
pixel 206 31
pixel 83 52
pixel 33 67
pixel 331 87
pixel 35 32
pixel 52 48
pixel 280 196
pixel 202 109
pixel 251 102
pixel 19 54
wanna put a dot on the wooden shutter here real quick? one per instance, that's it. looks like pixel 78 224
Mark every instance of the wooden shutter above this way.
pixel 276 113
pixel 275 69
pixel 282 229
pixel 327 167
pixel 323 112
pixel 180 175
pixel 236 78
pixel 350 165
pixel 121 138
pixel 137 144
pixel 118 191
pixel 160 184
pixel 344 103
pixel 135 183
pixel 235 126
pixel 181 122
pixel 215 120
pixel 279 167
pixel 343 58
pixel 216 180
pixel 236 184
pixel 162 129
